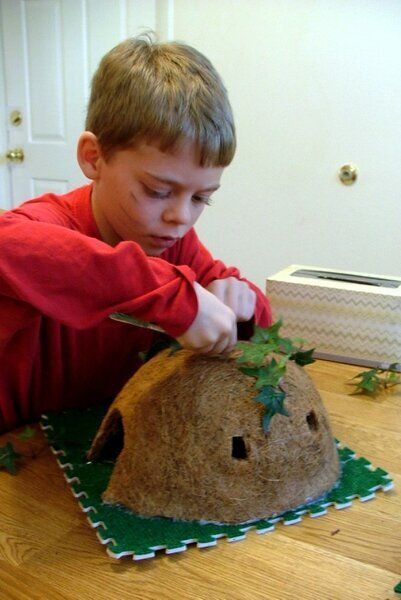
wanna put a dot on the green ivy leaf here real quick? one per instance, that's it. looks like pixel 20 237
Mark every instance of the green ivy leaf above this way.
pixel 369 381
pixel 392 378
pixel 266 419
pixel 27 433
pixel 254 354
pixel 8 458
pixel 303 357
pixel 251 371
pixel 262 335
pixel 271 374
pixel 376 380
pixel 286 345
pixel 175 347
pixel 160 343
pixel 272 399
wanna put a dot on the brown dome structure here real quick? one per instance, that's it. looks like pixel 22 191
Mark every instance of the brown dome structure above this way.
pixel 193 447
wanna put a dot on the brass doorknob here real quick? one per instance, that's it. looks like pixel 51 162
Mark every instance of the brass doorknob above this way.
pixel 348 174
pixel 16 155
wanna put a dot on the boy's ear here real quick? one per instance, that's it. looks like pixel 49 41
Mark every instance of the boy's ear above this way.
pixel 89 155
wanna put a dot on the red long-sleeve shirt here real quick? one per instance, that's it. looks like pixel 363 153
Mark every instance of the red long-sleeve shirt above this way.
pixel 58 284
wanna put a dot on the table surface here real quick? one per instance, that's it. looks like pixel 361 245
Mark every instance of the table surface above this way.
pixel 49 551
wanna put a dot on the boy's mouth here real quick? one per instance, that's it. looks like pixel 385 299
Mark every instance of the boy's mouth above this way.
pixel 163 241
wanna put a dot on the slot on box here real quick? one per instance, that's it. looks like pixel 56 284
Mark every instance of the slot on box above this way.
pixel 347 316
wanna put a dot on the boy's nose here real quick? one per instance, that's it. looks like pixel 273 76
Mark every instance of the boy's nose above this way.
pixel 178 211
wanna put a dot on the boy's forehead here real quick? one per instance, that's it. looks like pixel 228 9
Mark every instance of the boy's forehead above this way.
pixel 172 166
pixel 208 186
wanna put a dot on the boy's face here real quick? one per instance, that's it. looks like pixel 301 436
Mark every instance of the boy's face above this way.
pixel 151 197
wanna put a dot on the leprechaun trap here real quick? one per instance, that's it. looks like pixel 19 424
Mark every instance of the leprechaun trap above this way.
pixel 192 450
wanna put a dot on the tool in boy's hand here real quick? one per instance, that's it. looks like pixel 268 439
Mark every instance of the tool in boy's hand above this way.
pixel 124 318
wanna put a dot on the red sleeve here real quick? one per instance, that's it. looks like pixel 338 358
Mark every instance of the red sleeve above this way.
pixel 192 252
pixel 79 280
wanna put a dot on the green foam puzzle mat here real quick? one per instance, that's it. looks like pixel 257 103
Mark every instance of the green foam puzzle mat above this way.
pixel 124 533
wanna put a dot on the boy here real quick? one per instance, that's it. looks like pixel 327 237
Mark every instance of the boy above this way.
pixel 159 132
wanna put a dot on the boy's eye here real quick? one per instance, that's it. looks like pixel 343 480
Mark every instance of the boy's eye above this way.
pixel 203 199
pixel 158 194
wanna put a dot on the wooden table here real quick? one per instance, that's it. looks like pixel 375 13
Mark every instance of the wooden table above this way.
pixel 49 551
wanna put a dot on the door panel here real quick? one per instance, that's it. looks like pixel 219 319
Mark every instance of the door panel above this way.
pixel 50 50
pixel 38 45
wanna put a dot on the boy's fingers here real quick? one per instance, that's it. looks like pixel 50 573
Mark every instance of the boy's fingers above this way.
pixel 235 294
pixel 246 309
pixel 223 346
pixel 214 329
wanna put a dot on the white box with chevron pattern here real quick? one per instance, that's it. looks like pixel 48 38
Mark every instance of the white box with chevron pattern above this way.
pixel 348 317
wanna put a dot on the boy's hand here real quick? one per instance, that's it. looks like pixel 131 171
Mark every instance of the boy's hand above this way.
pixel 214 329
pixel 235 294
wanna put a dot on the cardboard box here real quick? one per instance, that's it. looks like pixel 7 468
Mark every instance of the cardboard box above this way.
pixel 348 317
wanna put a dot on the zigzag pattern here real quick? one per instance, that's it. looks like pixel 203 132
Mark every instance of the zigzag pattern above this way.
pixel 374 304
pixel 337 310
pixel 339 322
pixel 343 321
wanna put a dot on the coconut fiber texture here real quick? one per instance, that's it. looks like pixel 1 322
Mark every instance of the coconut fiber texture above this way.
pixel 126 534
pixel 194 446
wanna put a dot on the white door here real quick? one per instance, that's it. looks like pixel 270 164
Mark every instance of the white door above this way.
pixel 43 63
pixel 49 52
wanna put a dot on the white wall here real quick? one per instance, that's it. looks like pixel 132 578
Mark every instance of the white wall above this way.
pixel 314 84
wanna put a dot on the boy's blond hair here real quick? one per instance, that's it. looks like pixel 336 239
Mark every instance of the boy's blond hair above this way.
pixel 161 93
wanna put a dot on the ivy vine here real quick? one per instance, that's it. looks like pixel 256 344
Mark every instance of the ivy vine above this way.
pixel 374 381
pixel 265 358
pixel 10 457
